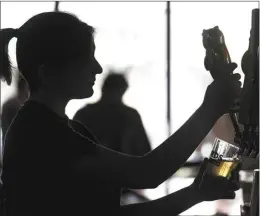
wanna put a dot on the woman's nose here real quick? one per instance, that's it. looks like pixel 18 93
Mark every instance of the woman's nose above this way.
pixel 99 68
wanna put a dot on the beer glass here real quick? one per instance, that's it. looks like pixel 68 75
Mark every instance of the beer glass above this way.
pixel 223 159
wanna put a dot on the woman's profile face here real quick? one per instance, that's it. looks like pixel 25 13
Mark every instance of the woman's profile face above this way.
pixel 76 79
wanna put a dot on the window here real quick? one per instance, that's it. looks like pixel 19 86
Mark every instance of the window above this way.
pixel 130 37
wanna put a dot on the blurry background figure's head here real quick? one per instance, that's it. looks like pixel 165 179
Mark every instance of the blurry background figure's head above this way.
pixel 114 87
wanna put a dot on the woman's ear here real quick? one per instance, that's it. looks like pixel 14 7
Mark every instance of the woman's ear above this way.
pixel 41 75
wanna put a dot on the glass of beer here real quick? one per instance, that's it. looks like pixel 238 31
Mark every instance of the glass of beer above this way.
pixel 223 159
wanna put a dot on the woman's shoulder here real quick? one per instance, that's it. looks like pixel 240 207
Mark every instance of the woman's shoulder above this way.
pixel 34 124
pixel 33 120
pixel 78 127
pixel 32 114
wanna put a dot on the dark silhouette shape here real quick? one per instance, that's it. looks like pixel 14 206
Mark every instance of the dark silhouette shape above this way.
pixel 9 111
pixel 115 125
pixel 13 104
pixel 54 166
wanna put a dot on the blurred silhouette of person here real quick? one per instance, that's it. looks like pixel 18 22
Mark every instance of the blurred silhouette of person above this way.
pixel 114 124
pixel 13 104
pixel 9 111
pixel 55 166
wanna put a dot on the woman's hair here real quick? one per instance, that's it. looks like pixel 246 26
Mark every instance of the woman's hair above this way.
pixel 51 38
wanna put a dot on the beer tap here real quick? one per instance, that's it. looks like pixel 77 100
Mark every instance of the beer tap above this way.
pixel 244 113
pixel 249 106
pixel 216 55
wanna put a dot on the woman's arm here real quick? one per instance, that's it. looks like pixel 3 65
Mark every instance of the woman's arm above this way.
pixel 155 167
pixel 200 190
pixel 170 205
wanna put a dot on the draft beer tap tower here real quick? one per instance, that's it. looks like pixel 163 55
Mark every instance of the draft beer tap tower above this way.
pixel 244 113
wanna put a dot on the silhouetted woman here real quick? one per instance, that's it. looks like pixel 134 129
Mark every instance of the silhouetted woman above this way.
pixel 54 166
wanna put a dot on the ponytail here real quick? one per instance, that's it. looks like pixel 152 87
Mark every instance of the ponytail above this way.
pixel 5 65
pixel 49 38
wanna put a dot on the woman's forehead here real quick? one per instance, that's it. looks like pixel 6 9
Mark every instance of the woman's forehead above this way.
pixel 93 45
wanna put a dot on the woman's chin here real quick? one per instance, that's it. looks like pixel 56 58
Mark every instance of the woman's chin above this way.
pixel 84 94
pixel 88 93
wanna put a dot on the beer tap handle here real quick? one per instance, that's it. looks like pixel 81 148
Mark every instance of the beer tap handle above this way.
pixel 217 54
